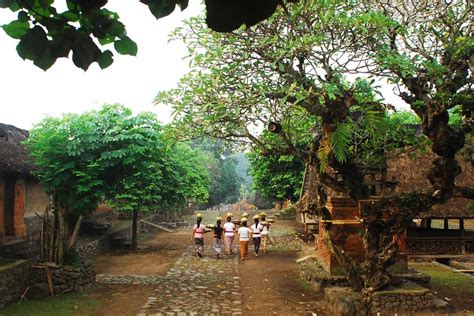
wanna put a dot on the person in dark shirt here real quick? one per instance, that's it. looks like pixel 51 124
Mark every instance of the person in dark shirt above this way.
pixel 218 235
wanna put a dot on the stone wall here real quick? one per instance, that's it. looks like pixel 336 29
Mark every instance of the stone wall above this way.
pixel 319 278
pixel 411 298
pixel 13 280
pixel 408 298
pixel 90 249
pixel 65 279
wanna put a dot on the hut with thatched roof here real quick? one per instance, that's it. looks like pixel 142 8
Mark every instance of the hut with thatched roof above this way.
pixel 21 195
pixel 447 229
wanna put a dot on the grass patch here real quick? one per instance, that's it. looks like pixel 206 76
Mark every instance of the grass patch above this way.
pixel 66 304
pixel 446 280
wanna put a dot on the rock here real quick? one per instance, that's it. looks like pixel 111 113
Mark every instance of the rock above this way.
pixel 38 290
pixel 395 280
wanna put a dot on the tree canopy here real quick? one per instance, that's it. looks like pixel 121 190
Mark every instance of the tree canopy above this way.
pixel 221 165
pixel 47 30
pixel 276 177
pixel 116 156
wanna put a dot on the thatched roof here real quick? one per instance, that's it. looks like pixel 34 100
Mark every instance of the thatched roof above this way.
pixel 410 171
pixel 14 157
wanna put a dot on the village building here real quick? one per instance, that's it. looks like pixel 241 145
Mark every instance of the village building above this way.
pixel 446 231
pixel 21 197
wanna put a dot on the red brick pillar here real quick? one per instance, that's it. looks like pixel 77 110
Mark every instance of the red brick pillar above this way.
pixel 19 211
pixel 344 233
pixel 2 208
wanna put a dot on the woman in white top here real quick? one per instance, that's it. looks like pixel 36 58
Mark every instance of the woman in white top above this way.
pixel 264 233
pixel 198 235
pixel 244 237
pixel 256 229
pixel 229 235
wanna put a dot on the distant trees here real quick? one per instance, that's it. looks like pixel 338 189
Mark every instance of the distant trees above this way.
pixel 224 180
pixel 276 177
pixel 111 154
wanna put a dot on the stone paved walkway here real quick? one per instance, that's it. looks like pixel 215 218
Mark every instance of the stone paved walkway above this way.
pixel 198 286
pixel 127 279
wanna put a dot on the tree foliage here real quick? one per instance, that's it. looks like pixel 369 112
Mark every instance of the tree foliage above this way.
pixel 47 31
pixel 116 155
pixel 112 154
pixel 224 180
pixel 280 72
pixel 276 177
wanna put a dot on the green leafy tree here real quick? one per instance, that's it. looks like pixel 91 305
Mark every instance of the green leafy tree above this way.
pixel 115 155
pixel 47 32
pixel 276 177
pixel 224 180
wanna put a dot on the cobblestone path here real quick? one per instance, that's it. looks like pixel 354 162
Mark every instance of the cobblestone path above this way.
pixel 127 279
pixel 198 286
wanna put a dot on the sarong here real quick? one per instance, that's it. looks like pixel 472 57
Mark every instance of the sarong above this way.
pixel 228 243
pixel 256 244
pixel 199 243
pixel 244 249
pixel 217 245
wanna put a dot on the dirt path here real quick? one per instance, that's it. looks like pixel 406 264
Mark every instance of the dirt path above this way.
pixel 157 255
pixel 271 284
pixel 267 285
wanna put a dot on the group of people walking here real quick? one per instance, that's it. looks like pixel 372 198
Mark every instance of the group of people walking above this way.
pixel 257 232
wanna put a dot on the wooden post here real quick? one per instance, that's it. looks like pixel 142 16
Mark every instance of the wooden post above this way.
pixel 446 226
pixel 461 228
pixel 134 229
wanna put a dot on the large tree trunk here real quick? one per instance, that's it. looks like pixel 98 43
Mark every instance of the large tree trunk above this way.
pixel 384 222
pixel 134 229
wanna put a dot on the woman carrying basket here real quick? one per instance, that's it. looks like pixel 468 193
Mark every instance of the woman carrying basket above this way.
pixel 264 233
pixel 229 234
pixel 198 235
pixel 218 233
